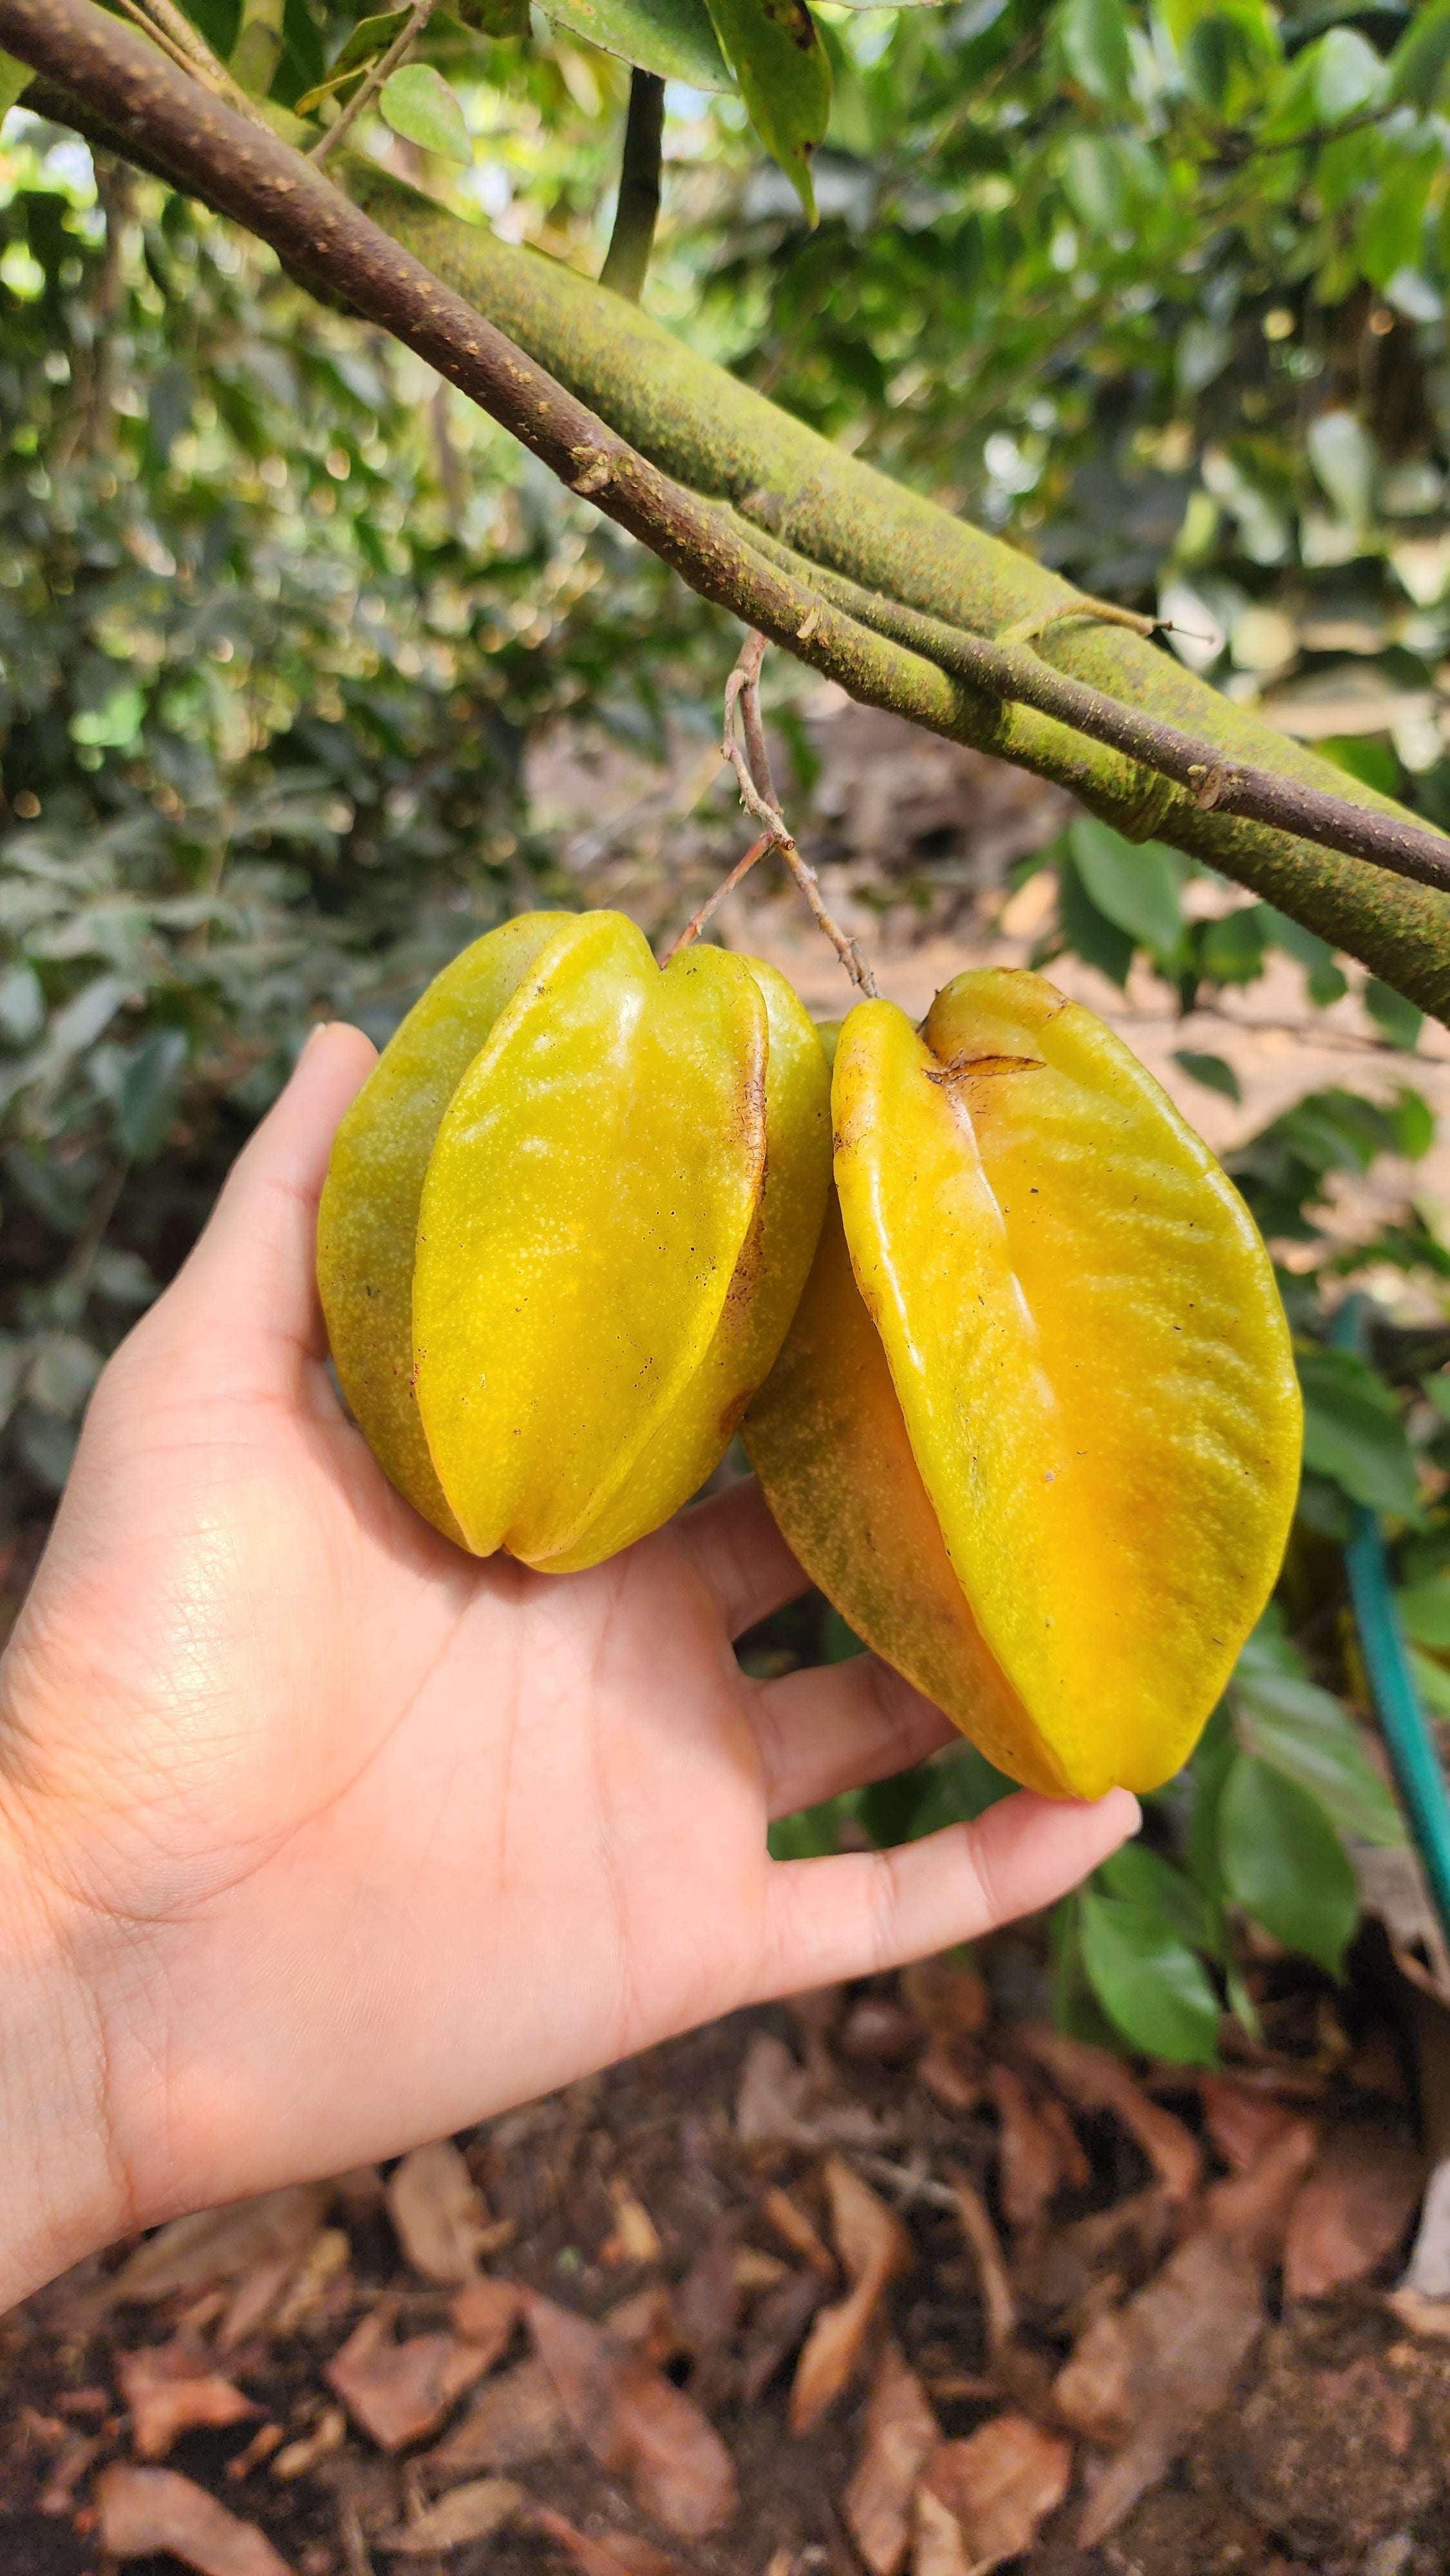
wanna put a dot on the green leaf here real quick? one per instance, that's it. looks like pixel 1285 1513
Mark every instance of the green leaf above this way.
pixel 1093 35
pixel 1431 1681
pixel 839 1641
pixel 1345 72
pixel 1144 1878
pixel 146 1110
pixel 1421 60
pixel 496 18
pixel 1326 983
pixel 1087 931
pixel 1303 1732
pixel 113 725
pixel 417 103
pixel 1233 946
pixel 1135 884
pixel 1284 1863
pixel 63 1375
pixel 812 1833
pixel 370 38
pixel 1151 1985
pixel 1412 1124
pixel 15 80
pixel 673 38
pixel 1424 1610
pixel 1213 1071
pixel 774 49
pixel 1353 1432
pixel 1397 1019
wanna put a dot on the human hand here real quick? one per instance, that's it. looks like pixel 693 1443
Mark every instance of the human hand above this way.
pixel 322 1839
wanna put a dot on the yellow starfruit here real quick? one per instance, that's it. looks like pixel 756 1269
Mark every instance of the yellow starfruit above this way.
pixel 1036 1428
pixel 565 1225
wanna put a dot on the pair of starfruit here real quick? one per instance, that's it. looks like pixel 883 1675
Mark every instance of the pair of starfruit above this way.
pixel 1018 1387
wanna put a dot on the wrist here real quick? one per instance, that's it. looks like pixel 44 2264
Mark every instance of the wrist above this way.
pixel 64 2197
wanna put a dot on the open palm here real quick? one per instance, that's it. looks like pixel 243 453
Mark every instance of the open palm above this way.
pixel 347 1839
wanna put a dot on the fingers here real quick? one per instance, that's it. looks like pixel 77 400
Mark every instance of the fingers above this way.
pixel 740 1556
pixel 839 1726
pixel 866 1911
pixel 251 1283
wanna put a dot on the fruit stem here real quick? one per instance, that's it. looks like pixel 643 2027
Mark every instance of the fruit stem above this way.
pixel 757 795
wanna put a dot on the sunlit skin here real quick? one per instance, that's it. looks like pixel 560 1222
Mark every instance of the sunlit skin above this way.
pixel 321 1838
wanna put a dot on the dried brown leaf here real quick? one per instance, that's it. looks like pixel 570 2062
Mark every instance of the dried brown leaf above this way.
pixel 706 2303
pixel 298 2459
pixel 647 2319
pixel 1424 2316
pixel 472 2512
pixel 217 2245
pixel 634 2237
pixel 485 2313
pixel 1351 2209
pixel 1254 2206
pixel 874 2247
pixel 170 2388
pixel 621 2554
pixel 1000 2485
pixel 937 2546
pixel 143 2512
pixel 509 2423
pixel 1148 2374
pixel 1029 2166
pixel 398 2392
pixel 320 2269
pixel 794 2229
pixel 437 2213
pixel 976 2225
pixel 879 2031
pixel 954 2077
pixel 635 2423
pixel 775 2330
pixel 783 2104
pixel 900 2435
pixel 1094 2081
pixel 948 1999
pixel 870 2239
pixel 1241 2118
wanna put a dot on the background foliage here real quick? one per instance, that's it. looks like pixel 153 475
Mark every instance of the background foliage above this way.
pixel 1158 293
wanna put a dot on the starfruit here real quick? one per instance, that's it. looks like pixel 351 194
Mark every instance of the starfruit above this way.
pixel 565 1224
pixel 1035 1428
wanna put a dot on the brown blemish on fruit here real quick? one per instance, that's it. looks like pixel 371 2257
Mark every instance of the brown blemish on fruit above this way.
pixel 963 1067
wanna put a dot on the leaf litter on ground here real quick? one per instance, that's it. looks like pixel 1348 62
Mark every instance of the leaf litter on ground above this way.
pixel 697 2307
pixel 873 2246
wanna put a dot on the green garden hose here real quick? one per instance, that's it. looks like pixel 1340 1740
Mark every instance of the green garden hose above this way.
pixel 1411 1747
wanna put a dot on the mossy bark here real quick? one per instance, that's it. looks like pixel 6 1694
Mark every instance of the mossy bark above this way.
pixel 728 442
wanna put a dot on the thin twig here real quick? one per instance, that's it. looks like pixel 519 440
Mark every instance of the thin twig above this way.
pixel 712 902
pixel 382 71
pixel 158 36
pixel 190 50
pixel 742 690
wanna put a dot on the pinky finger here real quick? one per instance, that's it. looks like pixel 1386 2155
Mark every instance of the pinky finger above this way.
pixel 867 1911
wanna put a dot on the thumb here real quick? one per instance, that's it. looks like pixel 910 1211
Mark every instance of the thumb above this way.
pixel 250 1286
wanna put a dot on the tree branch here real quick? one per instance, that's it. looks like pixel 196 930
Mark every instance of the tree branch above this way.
pixel 1000 697
pixel 721 436
pixel 626 262
pixel 1216 784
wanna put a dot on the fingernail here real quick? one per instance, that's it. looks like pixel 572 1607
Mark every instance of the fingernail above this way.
pixel 318 1030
